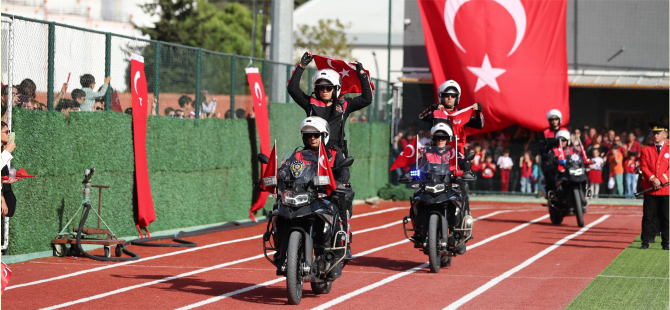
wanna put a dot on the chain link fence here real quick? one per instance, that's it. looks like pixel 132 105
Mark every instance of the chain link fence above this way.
pixel 182 81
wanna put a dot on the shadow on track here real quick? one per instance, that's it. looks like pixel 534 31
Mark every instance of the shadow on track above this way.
pixel 383 263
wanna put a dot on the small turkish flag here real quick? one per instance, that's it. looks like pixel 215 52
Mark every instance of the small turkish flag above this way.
pixel 6 275
pixel 408 155
pixel 347 70
pixel 325 170
pixel 270 174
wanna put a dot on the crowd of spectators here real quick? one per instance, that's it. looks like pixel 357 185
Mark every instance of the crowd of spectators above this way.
pixel 509 160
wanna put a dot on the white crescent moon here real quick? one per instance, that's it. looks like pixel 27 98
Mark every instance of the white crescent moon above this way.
pixel 330 64
pixel 321 162
pixel 452 153
pixel 137 76
pixel 514 7
pixel 413 150
pixel 257 90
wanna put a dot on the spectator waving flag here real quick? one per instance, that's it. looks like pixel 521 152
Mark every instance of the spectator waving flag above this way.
pixel 347 70
pixel 325 170
pixel 408 155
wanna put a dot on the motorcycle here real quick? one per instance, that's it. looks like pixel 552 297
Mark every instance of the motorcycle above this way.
pixel 440 208
pixel 570 193
pixel 304 230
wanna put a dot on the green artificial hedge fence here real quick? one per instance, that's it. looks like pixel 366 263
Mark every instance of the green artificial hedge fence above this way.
pixel 200 171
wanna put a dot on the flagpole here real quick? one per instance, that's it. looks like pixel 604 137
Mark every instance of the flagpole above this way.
pixel 456 153
pixel 417 152
pixel 276 168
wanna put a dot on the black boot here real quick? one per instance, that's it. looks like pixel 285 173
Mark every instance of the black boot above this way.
pixel 348 257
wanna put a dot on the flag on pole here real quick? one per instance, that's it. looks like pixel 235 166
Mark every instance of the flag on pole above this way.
pixel 325 170
pixel 408 156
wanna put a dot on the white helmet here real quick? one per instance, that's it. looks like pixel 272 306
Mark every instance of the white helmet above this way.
pixel 554 113
pixel 331 76
pixel 315 124
pixel 564 134
pixel 450 86
pixel 442 129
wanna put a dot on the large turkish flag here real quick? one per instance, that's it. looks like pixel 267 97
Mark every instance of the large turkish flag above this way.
pixel 510 55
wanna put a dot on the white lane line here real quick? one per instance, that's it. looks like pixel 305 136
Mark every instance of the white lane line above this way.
pixel 176 277
pixel 525 264
pixel 379 212
pixel 417 268
pixel 240 291
pixel 125 289
pixel 167 255
pixel 249 288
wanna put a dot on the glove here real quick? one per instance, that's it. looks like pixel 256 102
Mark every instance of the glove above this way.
pixel 306 59
pixel 359 68
pixel 478 106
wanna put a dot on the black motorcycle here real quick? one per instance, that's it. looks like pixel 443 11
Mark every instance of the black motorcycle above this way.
pixel 440 208
pixel 304 228
pixel 570 193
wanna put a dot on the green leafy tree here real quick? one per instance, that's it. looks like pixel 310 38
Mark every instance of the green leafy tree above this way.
pixel 326 38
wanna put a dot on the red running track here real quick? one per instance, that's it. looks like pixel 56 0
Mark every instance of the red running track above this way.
pixel 227 269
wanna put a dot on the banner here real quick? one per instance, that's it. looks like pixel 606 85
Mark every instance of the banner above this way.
pixel 347 70
pixel 138 90
pixel 262 125
pixel 509 55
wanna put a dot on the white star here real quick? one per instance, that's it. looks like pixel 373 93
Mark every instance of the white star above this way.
pixel 486 75
pixel 344 72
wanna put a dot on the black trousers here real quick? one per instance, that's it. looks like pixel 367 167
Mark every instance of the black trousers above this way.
pixel 655 206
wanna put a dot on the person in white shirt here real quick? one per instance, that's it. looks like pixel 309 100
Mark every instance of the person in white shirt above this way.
pixel 505 163
pixel 595 174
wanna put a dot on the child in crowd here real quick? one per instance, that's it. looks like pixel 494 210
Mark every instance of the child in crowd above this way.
pixel 87 81
pixel 595 174
pixel 488 171
pixel 477 165
pixel 631 178
pixel 526 165
pixel 535 174
pixel 505 163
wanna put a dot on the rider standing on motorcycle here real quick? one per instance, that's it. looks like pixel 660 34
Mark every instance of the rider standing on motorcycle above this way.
pixel 327 105
pixel 548 142
pixel 445 111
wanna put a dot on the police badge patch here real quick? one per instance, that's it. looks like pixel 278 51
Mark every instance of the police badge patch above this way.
pixel 338 108
pixel 297 167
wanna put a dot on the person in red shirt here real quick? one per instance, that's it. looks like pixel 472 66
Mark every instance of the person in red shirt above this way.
pixel 629 168
pixel 477 164
pixel 526 165
pixel 632 145
pixel 654 164
pixel 488 171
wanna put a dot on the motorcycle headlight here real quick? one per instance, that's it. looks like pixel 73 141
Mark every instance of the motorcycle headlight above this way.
pixel 435 188
pixel 291 198
pixel 576 172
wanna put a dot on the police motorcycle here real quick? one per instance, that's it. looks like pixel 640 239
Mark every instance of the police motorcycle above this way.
pixel 440 207
pixel 304 229
pixel 571 186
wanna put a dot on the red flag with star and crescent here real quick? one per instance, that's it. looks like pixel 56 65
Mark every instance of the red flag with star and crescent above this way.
pixel 407 157
pixel 509 55
pixel 347 70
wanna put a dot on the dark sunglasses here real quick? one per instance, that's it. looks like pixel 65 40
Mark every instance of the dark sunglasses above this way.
pixel 447 95
pixel 311 135
pixel 326 88
pixel 6 131
pixel 99 109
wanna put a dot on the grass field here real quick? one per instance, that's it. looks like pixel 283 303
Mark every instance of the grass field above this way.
pixel 636 279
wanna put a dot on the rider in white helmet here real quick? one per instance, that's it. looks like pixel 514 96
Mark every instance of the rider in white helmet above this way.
pixel 314 130
pixel 445 111
pixel 548 143
pixel 326 101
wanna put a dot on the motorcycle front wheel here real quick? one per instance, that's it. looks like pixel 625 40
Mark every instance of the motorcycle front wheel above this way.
pixel 293 266
pixel 434 243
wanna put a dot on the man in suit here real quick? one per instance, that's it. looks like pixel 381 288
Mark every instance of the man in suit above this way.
pixel 655 174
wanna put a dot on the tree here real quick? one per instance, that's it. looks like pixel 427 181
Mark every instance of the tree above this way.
pixel 327 38
pixel 200 24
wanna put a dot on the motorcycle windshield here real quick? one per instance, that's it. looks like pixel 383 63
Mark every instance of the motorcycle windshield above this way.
pixel 299 167
pixel 435 160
